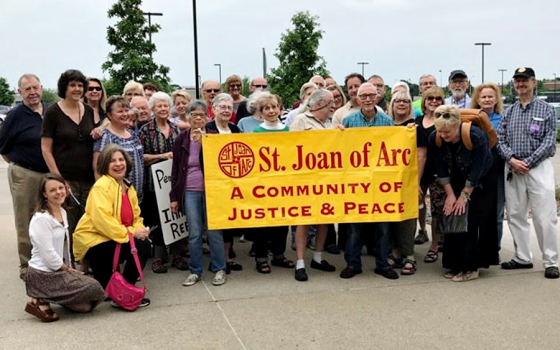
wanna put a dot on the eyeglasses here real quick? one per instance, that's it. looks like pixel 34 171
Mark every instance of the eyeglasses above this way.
pixel 198 115
pixel 368 96
pixel 402 101
pixel 212 90
pixel 458 81
pixel 261 86
pixel 133 94
pixel 338 97
pixel 225 108
pixel 94 88
pixel 235 86
pixel 434 98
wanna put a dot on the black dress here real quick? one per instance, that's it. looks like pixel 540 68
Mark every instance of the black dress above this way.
pixel 477 248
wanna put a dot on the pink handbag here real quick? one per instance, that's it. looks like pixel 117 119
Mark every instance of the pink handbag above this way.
pixel 126 295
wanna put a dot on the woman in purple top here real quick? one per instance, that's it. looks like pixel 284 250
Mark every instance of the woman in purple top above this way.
pixel 187 191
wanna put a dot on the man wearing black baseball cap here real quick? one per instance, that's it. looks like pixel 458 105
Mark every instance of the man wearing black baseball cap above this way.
pixel 458 85
pixel 527 141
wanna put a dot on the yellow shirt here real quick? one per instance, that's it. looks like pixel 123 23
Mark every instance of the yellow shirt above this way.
pixel 101 221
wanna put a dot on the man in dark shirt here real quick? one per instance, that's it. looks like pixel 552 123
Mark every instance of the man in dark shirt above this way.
pixel 20 145
pixel 257 84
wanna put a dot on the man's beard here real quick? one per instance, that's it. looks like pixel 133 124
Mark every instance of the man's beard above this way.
pixel 458 94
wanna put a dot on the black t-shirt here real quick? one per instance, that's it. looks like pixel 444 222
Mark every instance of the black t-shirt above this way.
pixel 72 143
pixel 422 140
pixel 20 138
pixel 406 122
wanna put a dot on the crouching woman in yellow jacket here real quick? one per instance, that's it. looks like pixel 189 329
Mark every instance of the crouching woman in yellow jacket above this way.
pixel 111 212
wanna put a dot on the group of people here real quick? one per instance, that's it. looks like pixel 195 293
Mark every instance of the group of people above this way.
pixel 79 174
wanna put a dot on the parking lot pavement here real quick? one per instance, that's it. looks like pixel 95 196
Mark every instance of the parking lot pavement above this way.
pixel 501 310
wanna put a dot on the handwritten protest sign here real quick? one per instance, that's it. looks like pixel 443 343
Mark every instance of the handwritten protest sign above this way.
pixel 311 177
pixel 173 225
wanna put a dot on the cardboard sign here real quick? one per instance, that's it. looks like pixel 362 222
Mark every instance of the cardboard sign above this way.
pixel 311 177
pixel 173 225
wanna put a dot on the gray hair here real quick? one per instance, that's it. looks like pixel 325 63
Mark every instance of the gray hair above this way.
pixel 27 76
pixel 304 88
pixel 197 104
pixel 221 97
pixel 317 96
pixel 159 96
pixel 423 76
pixel 366 85
pixel 252 101
pixel 400 83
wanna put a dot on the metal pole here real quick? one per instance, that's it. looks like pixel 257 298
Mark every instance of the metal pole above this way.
pixel 440 78
pixel 363 64
pixel 502 70
pixel 554 86
pixel 150 14
pixel 197 84
pixel 483 44
pixel 220 67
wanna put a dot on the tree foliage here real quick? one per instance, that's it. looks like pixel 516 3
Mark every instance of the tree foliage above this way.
pixel 299 60
pixel 50 96
pixel 131 58
pixel 6 94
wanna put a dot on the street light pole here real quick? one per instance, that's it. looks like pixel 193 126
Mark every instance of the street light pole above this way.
pixel 554 86
pixel 150 14
pixel 483 44
pixel 197 76
pixel 502 70
pixel 440 78
pixel 220 67
pixel 363 64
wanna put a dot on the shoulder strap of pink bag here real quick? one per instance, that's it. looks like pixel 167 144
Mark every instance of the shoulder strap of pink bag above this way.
pixel 134 253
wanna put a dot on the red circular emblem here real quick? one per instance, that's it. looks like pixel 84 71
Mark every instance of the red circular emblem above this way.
pixel 236 159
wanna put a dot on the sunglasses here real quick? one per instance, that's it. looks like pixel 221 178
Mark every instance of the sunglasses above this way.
pixel 443 115
pixel 94 88
pixel 212 90
pixel 434 98
pixel 234 85
pixel 261 86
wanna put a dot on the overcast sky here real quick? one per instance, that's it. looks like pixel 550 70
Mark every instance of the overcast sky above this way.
pixel 401 39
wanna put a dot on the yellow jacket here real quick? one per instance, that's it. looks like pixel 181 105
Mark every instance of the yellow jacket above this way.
pixel 102 220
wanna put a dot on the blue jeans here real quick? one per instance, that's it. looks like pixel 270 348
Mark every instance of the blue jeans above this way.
pixel 195 210
pixel 353 251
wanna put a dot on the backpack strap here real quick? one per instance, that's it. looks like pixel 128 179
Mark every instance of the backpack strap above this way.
pixel 466 135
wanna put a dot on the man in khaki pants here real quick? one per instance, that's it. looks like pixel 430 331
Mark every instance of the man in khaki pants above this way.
pixel 20 145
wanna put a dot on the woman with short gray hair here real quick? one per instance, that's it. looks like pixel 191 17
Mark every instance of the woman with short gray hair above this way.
pixel 157 137
pixel 249 123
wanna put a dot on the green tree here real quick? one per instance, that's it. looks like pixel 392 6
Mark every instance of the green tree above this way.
pixel 299 60
pixel 131 58
pixel 50 96
pixel 6 94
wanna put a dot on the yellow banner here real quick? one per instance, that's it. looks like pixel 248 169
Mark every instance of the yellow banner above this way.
pixel 311 177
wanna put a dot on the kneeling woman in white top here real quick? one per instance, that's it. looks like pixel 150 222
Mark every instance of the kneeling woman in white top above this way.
pixel 50 278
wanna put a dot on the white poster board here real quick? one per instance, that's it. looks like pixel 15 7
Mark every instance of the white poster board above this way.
pixel 173 225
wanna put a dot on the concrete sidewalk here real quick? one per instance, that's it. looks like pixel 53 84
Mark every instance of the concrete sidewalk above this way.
pixel 501 310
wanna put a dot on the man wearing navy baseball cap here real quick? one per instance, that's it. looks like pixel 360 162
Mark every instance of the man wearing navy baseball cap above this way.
pixel 527 141
pixel 458 85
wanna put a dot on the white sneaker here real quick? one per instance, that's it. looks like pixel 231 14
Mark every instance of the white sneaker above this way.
pixel 191 280
pixel 219 278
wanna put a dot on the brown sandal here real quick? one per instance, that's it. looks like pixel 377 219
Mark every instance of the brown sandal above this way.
pixel 263 267
pixel 44 315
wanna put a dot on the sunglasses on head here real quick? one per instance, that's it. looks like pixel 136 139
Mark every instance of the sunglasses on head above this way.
pixel 434 98
pixel 94 88
pixel 443 115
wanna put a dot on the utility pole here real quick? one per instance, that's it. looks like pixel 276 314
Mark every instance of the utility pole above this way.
pixel 363 64
pixel 483 44
pixel 197 76
pixel 502 70
pixel 554 86
pixel 150 14
pixel 220 67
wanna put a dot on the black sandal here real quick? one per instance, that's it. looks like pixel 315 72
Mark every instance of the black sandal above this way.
pixel 431 256
pixel 263 267
pixel 289 264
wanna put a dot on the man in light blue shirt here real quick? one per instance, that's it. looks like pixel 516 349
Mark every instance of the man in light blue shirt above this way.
pixel 458 85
